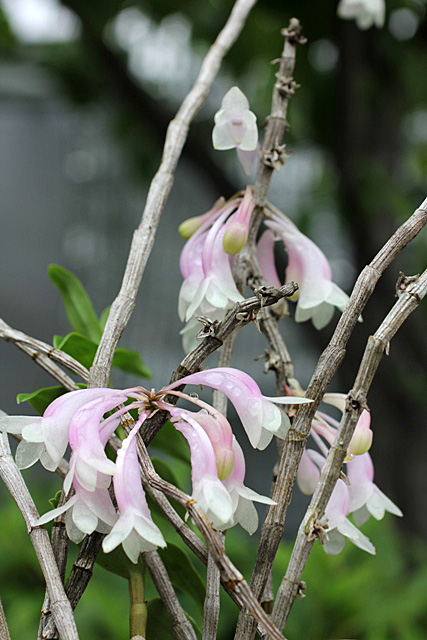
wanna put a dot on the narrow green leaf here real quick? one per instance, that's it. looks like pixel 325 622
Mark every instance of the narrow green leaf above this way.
pixel 170 441
pixel 159 624
pixel 182 573
pixel 41 398
pixel 79 347
pixel 131 362
pixel 104 317
pixel 78 305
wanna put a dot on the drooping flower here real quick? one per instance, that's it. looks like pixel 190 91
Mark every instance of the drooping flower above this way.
pixel 208 489
pixel 307 265
pixel 244 512
pixel 339 527
pixel 88 437
pixel 237 228
pixel 134 529
pixel 259 415
pixel 218 470
pixel 216 288
pixel 308 472
pixel 366 12
pixel 87 511
pixel 365 498
pixel 45 438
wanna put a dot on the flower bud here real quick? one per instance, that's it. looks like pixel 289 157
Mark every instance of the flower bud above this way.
pixel 235 238
pixel 361 441
pixel 190 226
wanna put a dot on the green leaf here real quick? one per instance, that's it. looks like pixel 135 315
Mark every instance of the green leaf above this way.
pixel 117 562
pixel 41 398
pixel 55 500
pixel 169 440
pixel 159 624
pixel 104 316
pixel 182 573
pixel 78 305
pixel 79 347
pixel 131 362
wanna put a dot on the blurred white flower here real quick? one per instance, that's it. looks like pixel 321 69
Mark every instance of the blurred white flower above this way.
pixel 366 12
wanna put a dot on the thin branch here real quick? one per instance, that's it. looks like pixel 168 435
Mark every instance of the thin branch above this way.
pixel 212 603
pixel 4 630
pixel 42 353
pixel 410 293
pixel 138 606
pixel 182 628
pixel 161 184
pixel 60 606
pixel 329 362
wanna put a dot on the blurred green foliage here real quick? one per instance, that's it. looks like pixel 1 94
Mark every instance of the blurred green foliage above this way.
pixel 351 595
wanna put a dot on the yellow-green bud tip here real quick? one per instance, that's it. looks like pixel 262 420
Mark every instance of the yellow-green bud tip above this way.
pixel 189 226
pixel 235 238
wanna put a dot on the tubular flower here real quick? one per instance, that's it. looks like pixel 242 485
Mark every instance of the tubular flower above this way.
pixel 237 229
pixel 339 527
pixel 87 511
pixel 134 529
pixel 307 265
pixel 191 225
pixel 361 440
pixel 259 415
pixel 88 437
pixel 45 438
pixel 265 257
pixel 210 284
pixel 308 472
pixel 218 470
pixel 366 12
pixel 208 489
pixel 365 498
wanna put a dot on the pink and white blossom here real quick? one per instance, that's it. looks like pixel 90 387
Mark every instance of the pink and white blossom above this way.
pixel 237 227
pixel 308 267
pixel 87 511
pixel 88 436
pixel 366 12
pixel 45 438
pixel 365 498
pixel 218 470
pixel 339 527
pixel 259 414
pixel 135 529
pixel 235 125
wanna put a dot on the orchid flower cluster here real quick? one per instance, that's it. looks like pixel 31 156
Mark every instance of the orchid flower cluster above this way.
pixel 360 497
pixel 108 496
pixel 206 263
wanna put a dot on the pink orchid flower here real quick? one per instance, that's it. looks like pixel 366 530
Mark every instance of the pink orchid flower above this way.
pixel 237 228
pixel 339 527
pixel 308 267
pixel 308 472
pixel 259 415
pixel 365 498
pixel 87 511
pixel 218 470
pixel 45 438
pixel 134 529
pixel 87 437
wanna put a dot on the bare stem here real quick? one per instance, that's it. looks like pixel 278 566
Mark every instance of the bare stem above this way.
pixel 410 294
pixel 4 630
pixel 59 604
pixel 182 628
